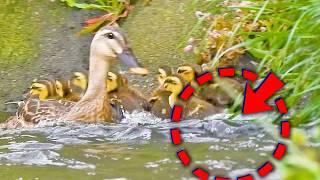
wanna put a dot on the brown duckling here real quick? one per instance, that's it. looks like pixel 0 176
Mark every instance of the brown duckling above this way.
pixel 194 108
pixel 159 102
pixel 64 90
pixel 107 45
pixel 219 92
pixel 118 88
pixel 222 92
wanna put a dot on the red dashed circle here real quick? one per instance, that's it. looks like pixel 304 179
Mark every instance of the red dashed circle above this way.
pixel 176 115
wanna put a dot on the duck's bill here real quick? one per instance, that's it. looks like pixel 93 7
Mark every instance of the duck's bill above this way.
pixel 128 58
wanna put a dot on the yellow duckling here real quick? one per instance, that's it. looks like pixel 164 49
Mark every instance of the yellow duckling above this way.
pixel 80 80
pixel 163 73
pixel 43 89
pixel 189 72
pixel 130 99
pixel 107 45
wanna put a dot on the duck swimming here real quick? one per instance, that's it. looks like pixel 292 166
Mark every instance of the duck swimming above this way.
pixel 108 44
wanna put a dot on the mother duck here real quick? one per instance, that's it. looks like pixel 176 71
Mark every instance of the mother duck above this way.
pixel 108 45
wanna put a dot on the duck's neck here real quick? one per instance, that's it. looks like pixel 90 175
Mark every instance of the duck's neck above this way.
pixel 98 70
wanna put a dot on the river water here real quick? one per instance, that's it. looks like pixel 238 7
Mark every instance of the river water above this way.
pixel 140 146
pixel 137 148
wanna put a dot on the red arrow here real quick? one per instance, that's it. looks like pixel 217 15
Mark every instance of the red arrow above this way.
pixel 255 101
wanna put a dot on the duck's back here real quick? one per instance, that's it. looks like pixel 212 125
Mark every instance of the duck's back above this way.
pixel 35 110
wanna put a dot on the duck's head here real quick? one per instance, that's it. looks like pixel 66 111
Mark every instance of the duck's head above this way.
pixel 80 80
pixel 163 73
pixel 173 84
pixel 43 89
pixel 63 87
pixel 188 72
pixel 115 81
pixel 110 43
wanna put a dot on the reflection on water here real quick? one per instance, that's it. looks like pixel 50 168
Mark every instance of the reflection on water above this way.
pixel 141 143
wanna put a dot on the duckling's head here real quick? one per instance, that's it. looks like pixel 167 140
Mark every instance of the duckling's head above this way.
pixel 173 84
pixel 63 87
pixel 115 81
pixel 188 72
pixel 43 89
pixel 163 73
pixel 79 79
pixel 110 43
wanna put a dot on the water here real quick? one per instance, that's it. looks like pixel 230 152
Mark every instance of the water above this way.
pixel 137 148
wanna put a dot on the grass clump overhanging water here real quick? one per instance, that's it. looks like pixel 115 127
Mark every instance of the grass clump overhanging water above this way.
pixel 283 36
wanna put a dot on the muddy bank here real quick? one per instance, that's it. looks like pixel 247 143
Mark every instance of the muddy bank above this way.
pixel 38 40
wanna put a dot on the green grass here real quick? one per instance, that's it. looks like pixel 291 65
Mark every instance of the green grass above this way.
pixel 290 47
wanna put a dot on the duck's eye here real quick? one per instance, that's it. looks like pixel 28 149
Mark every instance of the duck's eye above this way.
pixel 109 35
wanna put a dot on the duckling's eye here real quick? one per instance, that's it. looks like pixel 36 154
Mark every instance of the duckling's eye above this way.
pixel 109 35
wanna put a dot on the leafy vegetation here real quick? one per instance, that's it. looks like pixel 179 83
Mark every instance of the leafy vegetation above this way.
pixel 282 36
pixel 115 9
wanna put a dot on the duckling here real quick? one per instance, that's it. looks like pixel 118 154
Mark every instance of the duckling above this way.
pixel 159 103
pixel 80 80
pixel 194 108
pixel 130 99
pixel 163 73
pixel 189 72
pixel 219 92
pixel 107 45
pixel 43 89
pixel 222 92
pixel 64 90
